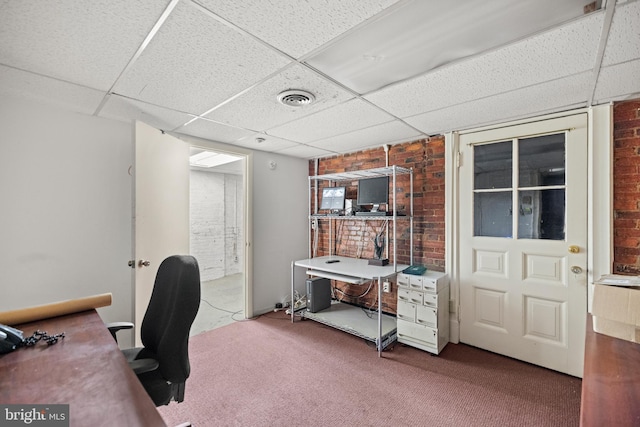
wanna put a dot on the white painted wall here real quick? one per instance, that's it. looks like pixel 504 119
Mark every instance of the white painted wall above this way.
pixel 216 223
pixel 277 218
pixel 65 216
pixel 280 224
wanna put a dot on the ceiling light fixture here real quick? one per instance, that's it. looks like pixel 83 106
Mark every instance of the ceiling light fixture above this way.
pixel 296 98
pixel 208 159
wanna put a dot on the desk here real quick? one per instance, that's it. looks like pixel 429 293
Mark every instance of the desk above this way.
pixel 350 270
pixel 86 370
pixel 611 381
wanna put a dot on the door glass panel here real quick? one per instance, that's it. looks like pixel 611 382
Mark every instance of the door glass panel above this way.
pixel 541 214
pixel 541 161
pixel 492 214
pixel 492 165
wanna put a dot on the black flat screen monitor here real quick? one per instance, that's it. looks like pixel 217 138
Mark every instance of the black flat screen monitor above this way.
pixel 373 191
pixel 333 198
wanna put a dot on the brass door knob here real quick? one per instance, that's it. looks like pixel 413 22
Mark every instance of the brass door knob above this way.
pixel 574 249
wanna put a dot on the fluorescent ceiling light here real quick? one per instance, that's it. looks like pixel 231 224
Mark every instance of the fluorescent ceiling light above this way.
pixel 422 35
pixel 209 159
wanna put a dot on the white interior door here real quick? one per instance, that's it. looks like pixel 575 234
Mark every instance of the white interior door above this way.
pixel 161 208
pixel 523 241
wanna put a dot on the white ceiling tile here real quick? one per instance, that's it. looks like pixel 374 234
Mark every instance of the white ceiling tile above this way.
pixel 259 109
pixel 618 81
pixel 213 131
pixel 54 92
pixel 422 35
pixel 562 52
pixel 80 42
pixel 124 109
pixel 68 53
pixel 305 152
pixel 270 143
pixel 296 27
pixel 375 136
pixel 623 43
pixel 195 62
pixel 343 118
pixel 558 95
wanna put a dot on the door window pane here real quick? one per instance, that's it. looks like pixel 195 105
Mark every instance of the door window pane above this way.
pixel 492 214
pixel 541 214
pixel 541 161
pixel 492 165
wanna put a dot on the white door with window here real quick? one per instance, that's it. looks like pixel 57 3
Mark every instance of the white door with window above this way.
pixel 523 241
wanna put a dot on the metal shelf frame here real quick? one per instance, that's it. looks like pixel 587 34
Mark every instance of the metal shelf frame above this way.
pixel 333 178
pixel 354 270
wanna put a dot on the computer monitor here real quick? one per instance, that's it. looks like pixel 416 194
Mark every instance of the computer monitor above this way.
pixel 333 198
pixel 373 191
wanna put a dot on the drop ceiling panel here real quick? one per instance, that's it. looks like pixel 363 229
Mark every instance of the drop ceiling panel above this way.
pixel 296 27
pixel 54 92
pixel 231 59
pixel 350 115
pixel 617 82
pixel 119 108
pixel 375 136
pixel 87 44
pixel 306 152
pixel 558 95
pixel 270 143
pixel 548 56
pixel 213 131
pixel 195 62
pixel 420 36
pixel 623 43
pixel 259 109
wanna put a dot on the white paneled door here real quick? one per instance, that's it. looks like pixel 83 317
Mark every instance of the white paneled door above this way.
pixel 523 241
pixel 161 209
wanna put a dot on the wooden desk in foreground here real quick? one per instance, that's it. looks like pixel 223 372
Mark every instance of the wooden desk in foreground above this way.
pixel 611 381
pixel 85 370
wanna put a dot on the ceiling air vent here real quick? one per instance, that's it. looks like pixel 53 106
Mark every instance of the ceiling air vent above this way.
pixel 296 98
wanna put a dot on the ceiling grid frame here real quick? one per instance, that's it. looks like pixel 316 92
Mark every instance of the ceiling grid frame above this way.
pixel 23 73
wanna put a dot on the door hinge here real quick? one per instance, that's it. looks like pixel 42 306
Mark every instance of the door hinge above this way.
pixel 458 159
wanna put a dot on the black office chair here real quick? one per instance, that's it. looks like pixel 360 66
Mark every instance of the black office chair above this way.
pixel 162 364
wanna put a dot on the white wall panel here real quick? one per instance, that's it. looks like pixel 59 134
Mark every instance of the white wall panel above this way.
pixel 66 208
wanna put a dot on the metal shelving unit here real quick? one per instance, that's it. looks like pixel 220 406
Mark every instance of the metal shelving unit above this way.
pixel 351 270
pixel 333 178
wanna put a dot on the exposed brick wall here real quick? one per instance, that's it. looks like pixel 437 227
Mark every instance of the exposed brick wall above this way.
pixel 626 187
pixel 354 238
pixel 427 160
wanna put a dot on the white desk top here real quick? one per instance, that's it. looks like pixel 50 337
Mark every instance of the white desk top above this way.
pixel 353 267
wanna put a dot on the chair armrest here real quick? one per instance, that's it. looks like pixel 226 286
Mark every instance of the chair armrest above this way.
pixel 141 366
pixel 114 327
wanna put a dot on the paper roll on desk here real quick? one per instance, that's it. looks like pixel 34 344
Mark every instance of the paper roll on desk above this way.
pixel 39 312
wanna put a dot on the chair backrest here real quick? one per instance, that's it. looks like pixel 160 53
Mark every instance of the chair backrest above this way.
pixel 173 307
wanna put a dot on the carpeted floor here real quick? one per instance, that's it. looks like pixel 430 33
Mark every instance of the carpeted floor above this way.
pixel 270 372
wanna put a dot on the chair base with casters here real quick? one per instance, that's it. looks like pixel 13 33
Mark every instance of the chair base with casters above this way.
pixel 162 364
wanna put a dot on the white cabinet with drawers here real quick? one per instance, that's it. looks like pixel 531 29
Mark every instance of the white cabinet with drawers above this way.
pixel 423 310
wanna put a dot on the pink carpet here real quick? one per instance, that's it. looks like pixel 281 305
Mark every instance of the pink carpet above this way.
pixel 270 372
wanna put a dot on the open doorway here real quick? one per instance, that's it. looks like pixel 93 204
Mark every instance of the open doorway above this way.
pixel 217 236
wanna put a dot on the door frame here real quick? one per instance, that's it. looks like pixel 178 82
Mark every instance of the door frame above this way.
pixel 599 199
pixel 248 207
